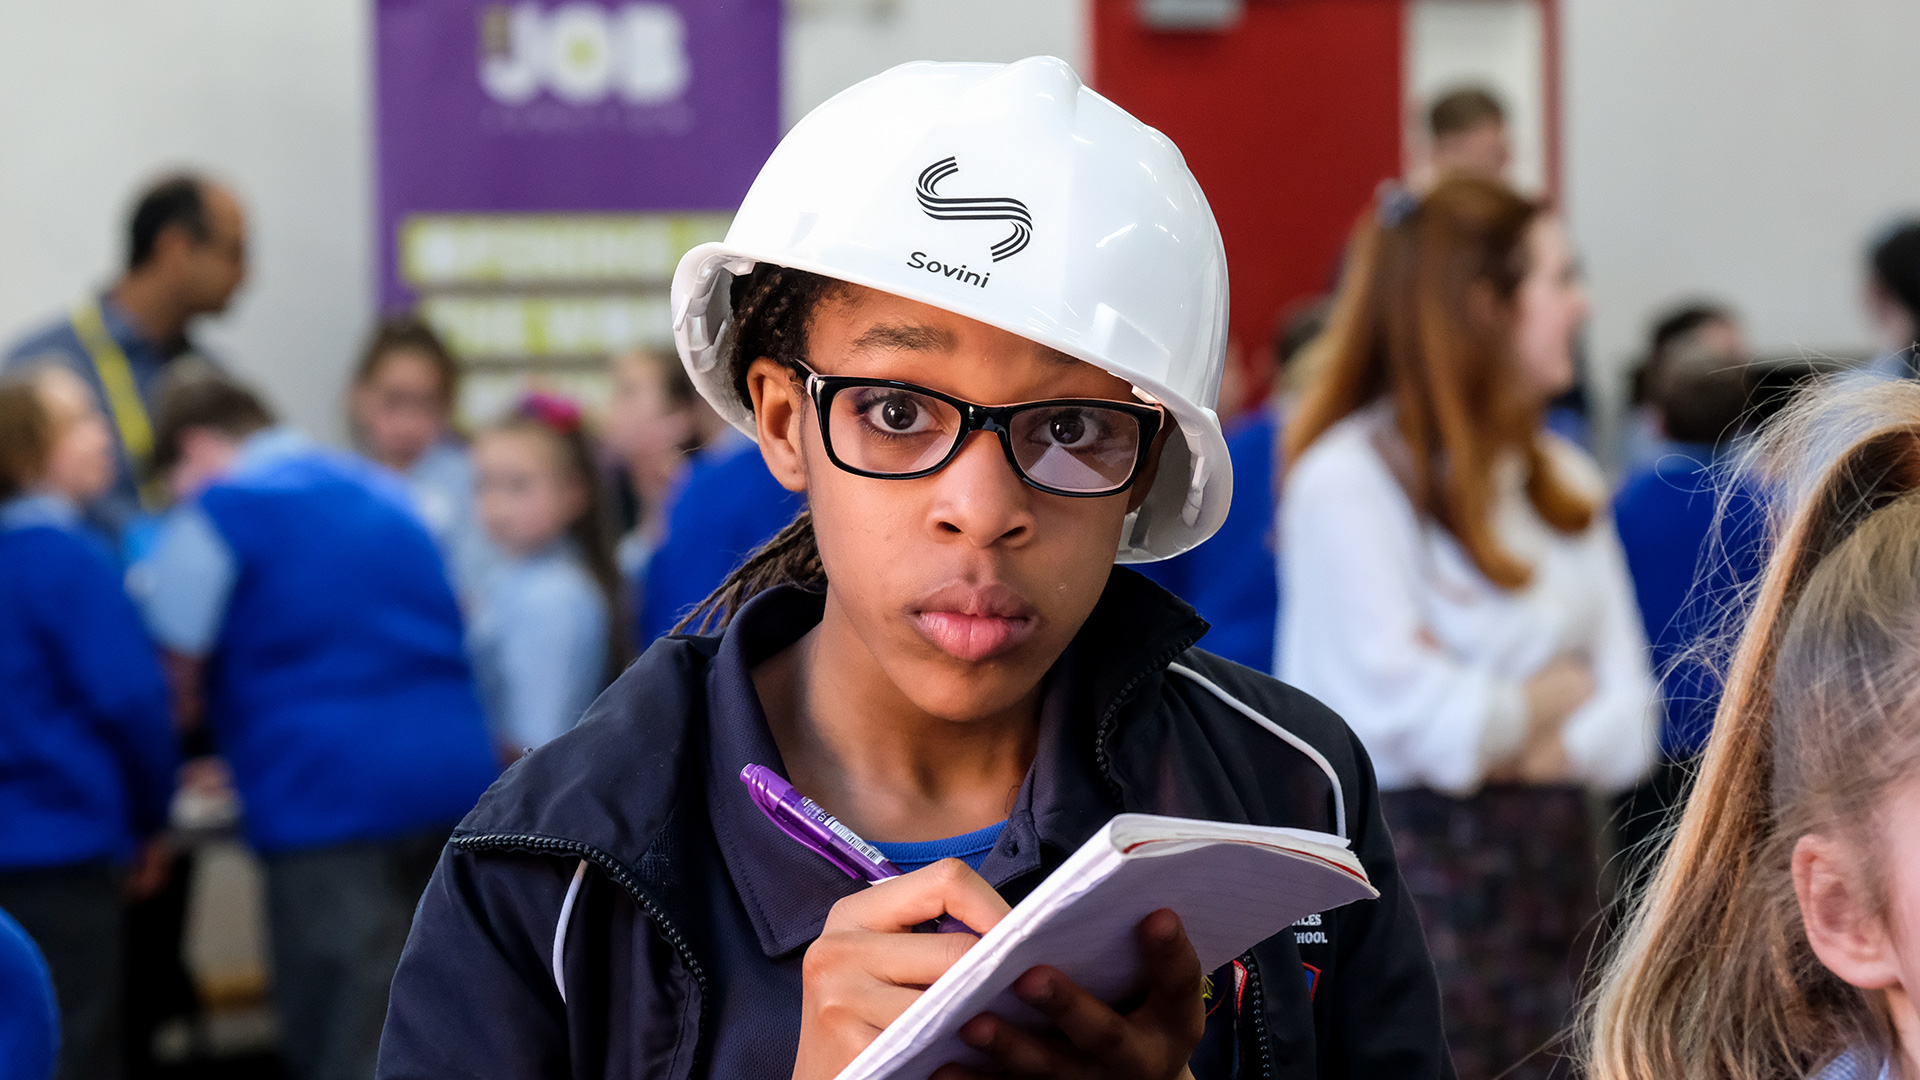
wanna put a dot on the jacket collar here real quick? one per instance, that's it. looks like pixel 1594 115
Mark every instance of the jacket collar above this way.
pixel 1066 797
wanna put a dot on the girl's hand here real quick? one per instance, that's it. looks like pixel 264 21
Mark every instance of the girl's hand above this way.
pixel 868 965
pixel 1151 1042
pixel 1556 691
pixel 1545 761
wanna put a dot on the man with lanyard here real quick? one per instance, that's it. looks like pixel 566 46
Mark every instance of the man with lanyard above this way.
pixel 186 255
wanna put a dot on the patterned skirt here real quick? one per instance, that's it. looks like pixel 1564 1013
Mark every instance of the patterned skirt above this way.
pixel 1506 884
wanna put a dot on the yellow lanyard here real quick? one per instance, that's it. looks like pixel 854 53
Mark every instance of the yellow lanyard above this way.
pixel 116 375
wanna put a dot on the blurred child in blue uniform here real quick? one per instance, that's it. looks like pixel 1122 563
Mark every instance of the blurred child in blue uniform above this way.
pixel 336 687
pixel 1690 329
pixel 654 422
pixel 1694 534
pixel 544 623
pixel 1233 580
pixel 402 409
pixel 728 505
pixel 86 738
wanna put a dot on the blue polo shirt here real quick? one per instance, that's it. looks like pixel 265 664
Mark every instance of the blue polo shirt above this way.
pixel 538 639
pixel 148 360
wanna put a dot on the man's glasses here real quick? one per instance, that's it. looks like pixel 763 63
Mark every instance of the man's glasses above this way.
pixel 898 431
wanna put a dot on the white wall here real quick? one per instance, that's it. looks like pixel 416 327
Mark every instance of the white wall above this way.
pixel 832 44
pixel 97 96
pixel 1491 43
pixel 1744 149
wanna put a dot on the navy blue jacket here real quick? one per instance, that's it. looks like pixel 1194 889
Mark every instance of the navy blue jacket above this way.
pixel 728 505
pixel 86 733
pixel 1687 578
pixel 1233 577
pixel 338 688
pixel 687 914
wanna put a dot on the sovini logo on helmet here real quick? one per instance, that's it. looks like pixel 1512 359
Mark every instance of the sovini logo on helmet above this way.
pixel 951 208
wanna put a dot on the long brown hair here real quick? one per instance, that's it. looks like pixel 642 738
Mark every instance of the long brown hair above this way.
pixel 1425 318
pixel 1713 978
pixel 772 308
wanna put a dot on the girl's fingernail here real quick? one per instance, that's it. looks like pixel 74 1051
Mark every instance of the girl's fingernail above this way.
pixel 1036 993
pixel 976 1034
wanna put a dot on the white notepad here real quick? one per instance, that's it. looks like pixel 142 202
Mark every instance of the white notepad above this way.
pixel 1233 886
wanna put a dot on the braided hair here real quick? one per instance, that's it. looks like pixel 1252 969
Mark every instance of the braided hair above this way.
pixel 772 307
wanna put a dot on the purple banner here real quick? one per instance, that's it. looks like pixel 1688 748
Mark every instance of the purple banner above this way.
pixel 586 106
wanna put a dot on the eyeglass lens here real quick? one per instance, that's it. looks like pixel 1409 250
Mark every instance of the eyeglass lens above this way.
pixel 891 431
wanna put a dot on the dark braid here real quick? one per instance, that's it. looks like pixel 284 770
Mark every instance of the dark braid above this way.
pixel 772 307
pixel 790 558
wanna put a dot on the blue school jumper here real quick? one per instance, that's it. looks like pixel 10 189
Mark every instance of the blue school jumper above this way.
pixel 337 685
pixel 1233 578
pixel 728 505
pixel 1687 578
pixel 86 734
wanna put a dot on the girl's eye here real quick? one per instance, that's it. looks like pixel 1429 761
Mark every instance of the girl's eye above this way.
pixel 1072 429
pixel 898 414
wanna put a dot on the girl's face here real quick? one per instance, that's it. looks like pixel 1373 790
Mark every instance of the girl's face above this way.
pixel 401 409
pixel 525 498
pixel 80 464
pixel 643 426
pixel 965 585
pixel 1551 306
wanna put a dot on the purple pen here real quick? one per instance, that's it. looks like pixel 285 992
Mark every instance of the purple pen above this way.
pixel 822 833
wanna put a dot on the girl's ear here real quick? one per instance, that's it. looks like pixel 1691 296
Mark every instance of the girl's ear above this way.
pixel 1845 930
pixel 779 410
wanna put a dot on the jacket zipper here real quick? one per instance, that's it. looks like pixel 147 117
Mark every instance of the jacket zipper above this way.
pixel 1104 730
pixel 1260 1016
pixel 615 869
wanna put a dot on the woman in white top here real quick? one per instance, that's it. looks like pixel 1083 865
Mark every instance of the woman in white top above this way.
pixel 1455 591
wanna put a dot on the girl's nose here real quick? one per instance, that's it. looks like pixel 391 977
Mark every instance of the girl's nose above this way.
pixel 980 498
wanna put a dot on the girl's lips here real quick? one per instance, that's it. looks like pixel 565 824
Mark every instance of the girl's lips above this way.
pixel 974 638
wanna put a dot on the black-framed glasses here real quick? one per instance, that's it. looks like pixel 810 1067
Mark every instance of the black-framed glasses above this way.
pixel 891 430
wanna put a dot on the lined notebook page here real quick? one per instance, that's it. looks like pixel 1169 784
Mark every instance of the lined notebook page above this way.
pixel 1232 885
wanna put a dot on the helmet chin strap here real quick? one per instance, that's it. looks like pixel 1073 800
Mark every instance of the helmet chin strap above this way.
pixel 1196 487
pixel 1196 481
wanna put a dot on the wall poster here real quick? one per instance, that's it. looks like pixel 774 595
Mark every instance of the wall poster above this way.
pixel 542 166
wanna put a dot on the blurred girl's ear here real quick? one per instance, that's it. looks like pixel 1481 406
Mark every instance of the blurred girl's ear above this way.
pixel 779 414
pixel 1843 924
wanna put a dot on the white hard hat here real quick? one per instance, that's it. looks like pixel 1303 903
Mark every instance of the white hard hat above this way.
pixel 1015 196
